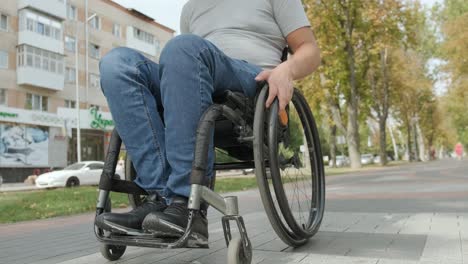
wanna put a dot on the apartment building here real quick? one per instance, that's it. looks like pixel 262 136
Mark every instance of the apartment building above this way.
pixel 39 41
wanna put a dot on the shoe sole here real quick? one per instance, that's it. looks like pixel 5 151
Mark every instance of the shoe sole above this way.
pixel 160 228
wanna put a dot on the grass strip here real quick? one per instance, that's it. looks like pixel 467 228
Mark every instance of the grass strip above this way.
pixel 41 204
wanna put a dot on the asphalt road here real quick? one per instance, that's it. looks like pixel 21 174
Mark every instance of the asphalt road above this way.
pixel 411 214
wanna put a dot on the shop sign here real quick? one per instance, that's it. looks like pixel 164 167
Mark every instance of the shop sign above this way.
pixel 32 117
pixel 89 118
pixel 8 115
pixel 98 122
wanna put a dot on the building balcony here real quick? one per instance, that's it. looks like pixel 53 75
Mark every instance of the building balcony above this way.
pixel 138 44
pixel 40 78
pixel 43 42
pixel 56 8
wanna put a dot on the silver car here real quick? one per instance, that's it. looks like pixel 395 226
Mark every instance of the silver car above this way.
pixel 367 159
pixel 342 161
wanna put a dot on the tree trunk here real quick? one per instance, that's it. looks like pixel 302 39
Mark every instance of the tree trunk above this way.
pixel 422 148
pixel 408 141
pixel 353 125
pixel 415 140
pixel 353 139
pixel 383 141
pixel 333 146
pixel 385 105
pixel 395 146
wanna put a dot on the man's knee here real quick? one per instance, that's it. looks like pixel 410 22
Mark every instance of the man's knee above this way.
pixel 115 57
pixel 180 46
pixel 114 62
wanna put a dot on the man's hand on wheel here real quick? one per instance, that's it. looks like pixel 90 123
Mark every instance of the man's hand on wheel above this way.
pixel 280 81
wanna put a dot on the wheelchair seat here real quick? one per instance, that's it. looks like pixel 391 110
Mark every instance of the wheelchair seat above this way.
pixel 226 134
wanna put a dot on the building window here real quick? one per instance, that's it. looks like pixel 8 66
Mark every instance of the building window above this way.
pixel 71 12
pixel 70 75
pixel 3 59
pixel 3 22
pixel 116 30
pixel 70 104
pixel 95 22
pixel 94 51
pixel 29 56
pixel 143 36
pixel 158 46
pixel 37 102
pixel 70 44
pixel 94 81
pixel 40 24
pixel 3 96
pixel 97 107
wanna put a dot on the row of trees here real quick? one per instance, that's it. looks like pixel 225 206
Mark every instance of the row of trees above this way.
pixel 376 65
pixel 453 21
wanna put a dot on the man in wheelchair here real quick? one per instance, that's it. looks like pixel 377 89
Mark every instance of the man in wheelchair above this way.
pixel 225 45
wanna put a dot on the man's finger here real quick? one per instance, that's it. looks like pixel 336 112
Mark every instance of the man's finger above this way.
pixel 263 76
pixel 271 96
pixel 282 104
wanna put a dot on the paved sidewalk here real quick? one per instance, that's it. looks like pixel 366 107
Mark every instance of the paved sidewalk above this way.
pixel 15 187
pixel 415 214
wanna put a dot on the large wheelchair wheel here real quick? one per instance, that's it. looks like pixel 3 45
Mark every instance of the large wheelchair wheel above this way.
pixel 293 190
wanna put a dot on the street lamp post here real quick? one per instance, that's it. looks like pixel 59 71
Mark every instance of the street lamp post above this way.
pixel 87 47
pixel 78 125
pixel 77 102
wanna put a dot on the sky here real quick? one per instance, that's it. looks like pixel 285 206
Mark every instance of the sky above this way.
pixel 167 12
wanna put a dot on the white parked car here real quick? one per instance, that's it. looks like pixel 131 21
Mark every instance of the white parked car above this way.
pixel 81 173
pixel 367 159
pixel 377 159
pixel 342 161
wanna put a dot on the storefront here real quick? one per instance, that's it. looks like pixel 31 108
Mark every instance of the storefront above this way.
pixel 33 142
pixel 95 130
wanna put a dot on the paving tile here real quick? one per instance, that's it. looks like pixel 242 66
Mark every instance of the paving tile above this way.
pixel 268 257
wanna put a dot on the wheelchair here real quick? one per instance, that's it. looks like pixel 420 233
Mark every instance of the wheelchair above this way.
pixel 283 149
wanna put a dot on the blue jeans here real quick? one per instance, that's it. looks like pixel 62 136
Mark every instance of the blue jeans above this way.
pixel 156 107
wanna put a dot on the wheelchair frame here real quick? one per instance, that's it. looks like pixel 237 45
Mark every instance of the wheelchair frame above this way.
pixel 200 191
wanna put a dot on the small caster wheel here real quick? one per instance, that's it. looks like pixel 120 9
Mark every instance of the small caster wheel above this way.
pixel 112 252
pixel 237 254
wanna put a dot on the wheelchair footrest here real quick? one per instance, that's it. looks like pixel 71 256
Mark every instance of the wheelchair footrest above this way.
pixel 150 241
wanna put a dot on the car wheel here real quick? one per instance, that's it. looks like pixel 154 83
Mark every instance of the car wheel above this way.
pixel 73 182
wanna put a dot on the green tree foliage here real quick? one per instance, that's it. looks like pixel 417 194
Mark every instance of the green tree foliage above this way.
pixel 374 64
pixel 454 49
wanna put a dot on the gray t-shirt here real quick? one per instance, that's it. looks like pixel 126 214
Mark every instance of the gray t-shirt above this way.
pixel 250 30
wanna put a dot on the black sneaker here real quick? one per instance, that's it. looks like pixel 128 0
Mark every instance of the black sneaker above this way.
pixel 171 223
pixel 130 223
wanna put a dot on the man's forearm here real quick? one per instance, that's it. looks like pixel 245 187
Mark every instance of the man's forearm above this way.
pixel 304 61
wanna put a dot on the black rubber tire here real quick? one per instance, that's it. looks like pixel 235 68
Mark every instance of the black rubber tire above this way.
pixel 72 182
pixel 269 197
pixel 313 219
pixel 236 254
pixel 112 252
